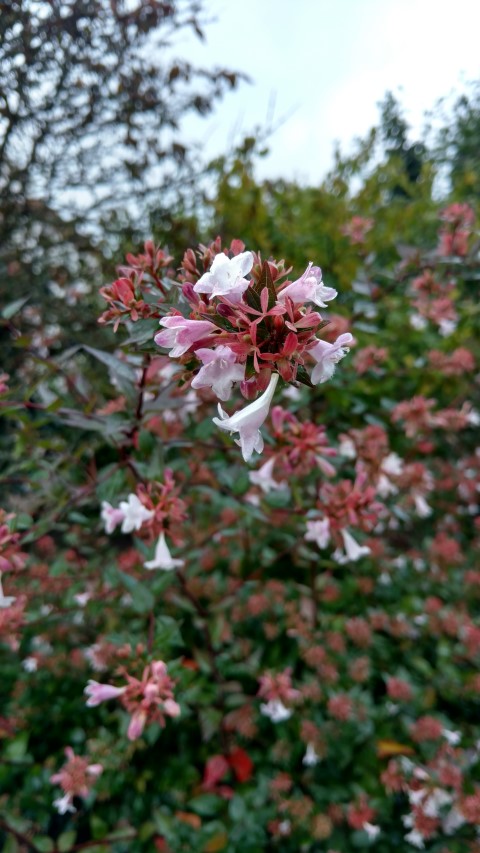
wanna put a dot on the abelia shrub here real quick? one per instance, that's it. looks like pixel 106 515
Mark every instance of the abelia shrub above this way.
pixel 236 652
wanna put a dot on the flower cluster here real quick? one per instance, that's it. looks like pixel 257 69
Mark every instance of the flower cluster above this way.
pixel 150 511
pixel 249 331
pixel 149 700
pixel 75 778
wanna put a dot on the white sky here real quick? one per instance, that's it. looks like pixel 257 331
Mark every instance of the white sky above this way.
pixel 326 64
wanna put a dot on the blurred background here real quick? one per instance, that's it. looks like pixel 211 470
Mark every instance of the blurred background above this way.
pixel 126 119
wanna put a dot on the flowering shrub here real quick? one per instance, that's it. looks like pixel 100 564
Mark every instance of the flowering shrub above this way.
pixel 240 653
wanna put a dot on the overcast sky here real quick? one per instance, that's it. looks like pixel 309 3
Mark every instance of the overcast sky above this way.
pixel 325 64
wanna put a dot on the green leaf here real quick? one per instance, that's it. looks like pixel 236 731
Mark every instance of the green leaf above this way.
pixel 167 632
pixel 44 844
pixel 142 333
pixel 13 308
pixel 66 840
pixel 11 845
pixel 142 599
pixel 119 368
pixel 303 377
pixel 249 367
pixel 109 426
pixel 206 805
pixel 221 321
pixel 16 750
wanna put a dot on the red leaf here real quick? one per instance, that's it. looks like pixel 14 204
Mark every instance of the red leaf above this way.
pixel 241 764
pixel 215 769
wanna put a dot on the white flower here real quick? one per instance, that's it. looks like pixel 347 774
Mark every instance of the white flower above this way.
pixel 327 356
pixel 353 551
pixel 418 322
pixel 64 804
pixel 347 448
pixel 220 370
pixel 372 830
pixel 422 507
pixel 134 514
pixel 473 417
pixel 226 276
pixel 30 664
pixel 319 532
pixel 310 759
pixel 415 838
pixel 436 799
pixel 392 465
pixel 447 327
pixel 82 598
pixel 247 421
pixel 453 738
pixel 163 559
pixel 264 479
pixel 385 487
pixel 5 600
pixel 276 710
pixel 453 821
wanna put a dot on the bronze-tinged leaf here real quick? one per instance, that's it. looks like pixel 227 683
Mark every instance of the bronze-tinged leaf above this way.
pixel 193 820
pixel 216 843
pixel 389 748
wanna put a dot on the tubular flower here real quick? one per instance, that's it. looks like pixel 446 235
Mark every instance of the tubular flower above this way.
pixel 163 559
pixel 247 421
pixel 98 693
pixel 327 357
pixel 180 334
pixel 264 478
pixel 353 551
pixel 111 517
pixel 309 288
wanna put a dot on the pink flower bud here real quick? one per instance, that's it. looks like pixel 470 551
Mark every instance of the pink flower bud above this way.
pixel 171 708
pixel 98 693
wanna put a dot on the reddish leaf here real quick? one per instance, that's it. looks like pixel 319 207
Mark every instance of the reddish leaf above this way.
pixel 215 769
pixel 241 764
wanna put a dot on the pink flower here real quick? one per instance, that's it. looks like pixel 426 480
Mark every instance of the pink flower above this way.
pixel 180 334
pixel 137 724
pixel 309 288
pixel 75 779
pixel 327 356
pixel 247 421
pixel 171 708
pixel 226 276
pixel 98 693
pixel 319 532
pixel 219 372
pixel 110 516
pixel 163 559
